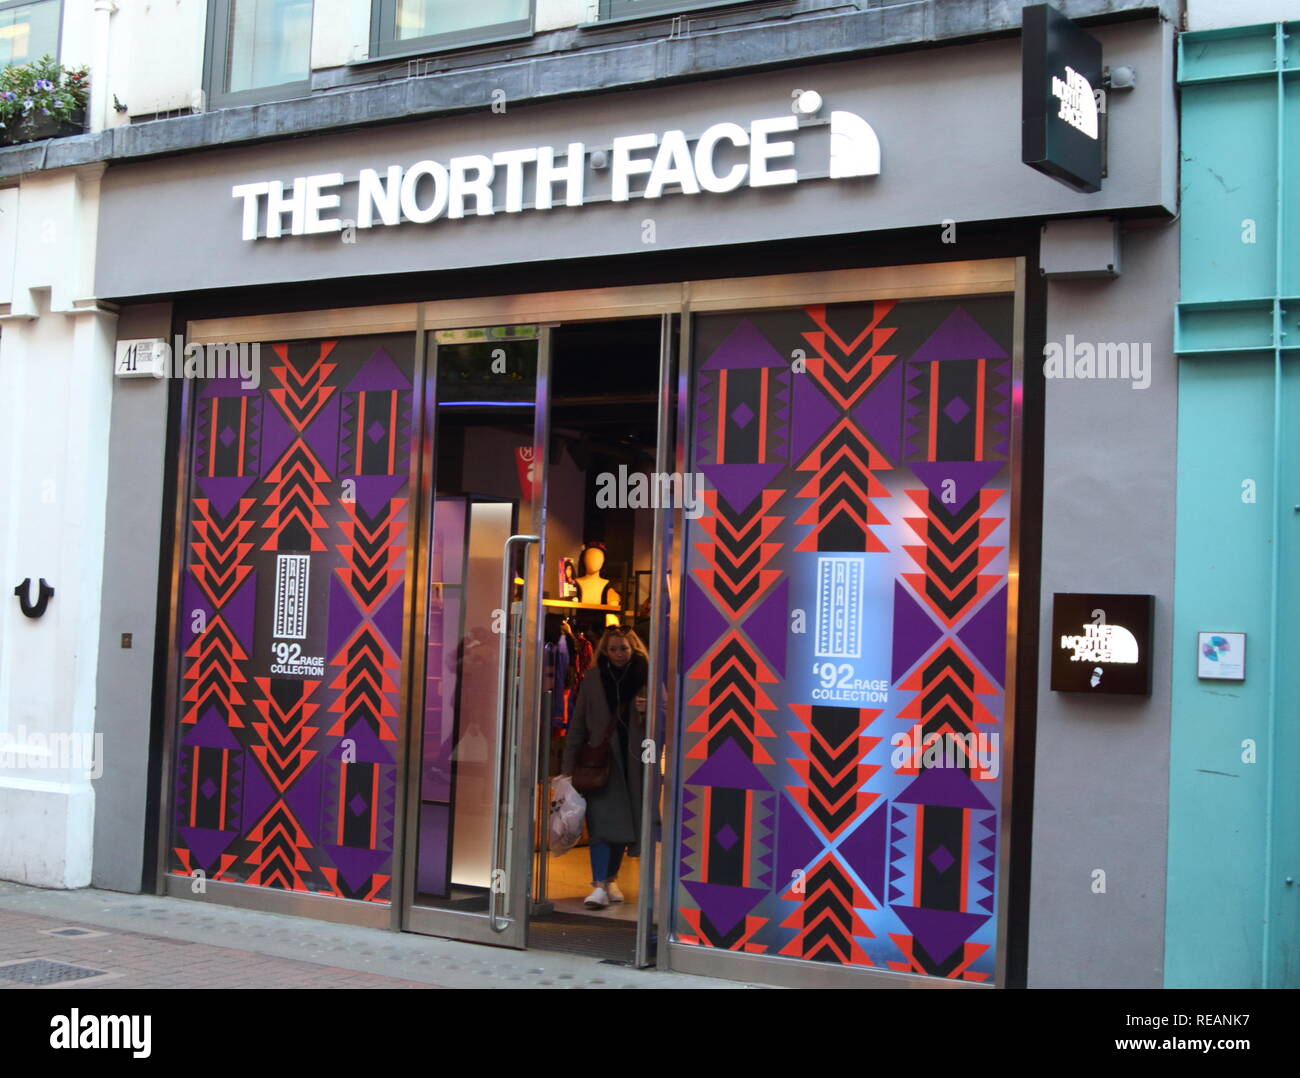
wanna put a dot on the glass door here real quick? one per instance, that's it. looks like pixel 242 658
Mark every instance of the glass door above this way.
pixel 471 809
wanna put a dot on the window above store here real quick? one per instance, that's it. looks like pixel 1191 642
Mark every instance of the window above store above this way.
pixel 257 50
pixel 401 27
pixel 611 10
pixel 29 30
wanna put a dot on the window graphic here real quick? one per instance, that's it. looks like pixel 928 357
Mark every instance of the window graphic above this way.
pixel 844 636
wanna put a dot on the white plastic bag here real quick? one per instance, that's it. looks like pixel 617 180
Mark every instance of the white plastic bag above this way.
pixel 567 810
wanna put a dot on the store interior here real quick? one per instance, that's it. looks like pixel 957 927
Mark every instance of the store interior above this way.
pixel 596 572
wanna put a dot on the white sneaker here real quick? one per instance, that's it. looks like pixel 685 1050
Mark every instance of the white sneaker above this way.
pixel 597 900
pixel 615 895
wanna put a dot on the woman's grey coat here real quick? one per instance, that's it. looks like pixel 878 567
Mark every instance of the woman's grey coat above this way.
pixel 614 813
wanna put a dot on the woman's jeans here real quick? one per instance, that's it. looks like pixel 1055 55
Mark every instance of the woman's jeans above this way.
pixel 605 861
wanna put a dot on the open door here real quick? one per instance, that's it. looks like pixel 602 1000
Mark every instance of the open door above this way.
pixel 468 864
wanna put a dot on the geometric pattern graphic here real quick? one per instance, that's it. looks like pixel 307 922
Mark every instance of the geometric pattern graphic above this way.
pixel 844 646
pixel 296 524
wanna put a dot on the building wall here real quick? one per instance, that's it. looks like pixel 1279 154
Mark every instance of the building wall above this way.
pixel 1101 763
pixel 56 349
pixel 136 448
pixel 1234 842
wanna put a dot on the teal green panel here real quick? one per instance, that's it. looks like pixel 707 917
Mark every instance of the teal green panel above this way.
pixel 1217 808
pixel 1218 55
pixel 1284 901
pixel 1291 195
pixel 1223 328
pixel 1229 169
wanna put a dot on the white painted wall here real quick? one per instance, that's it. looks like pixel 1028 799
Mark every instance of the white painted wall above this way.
pixel 56 352
pixel 1215 14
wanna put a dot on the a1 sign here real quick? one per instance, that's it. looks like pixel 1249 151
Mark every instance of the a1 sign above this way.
pixel 140 358
pixel 1062 134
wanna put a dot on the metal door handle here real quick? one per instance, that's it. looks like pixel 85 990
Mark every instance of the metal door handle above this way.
pixel 497 882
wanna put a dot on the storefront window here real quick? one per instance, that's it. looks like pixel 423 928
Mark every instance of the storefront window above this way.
pixel 631 9
pixel 29 31
pixel 401 26
pixel 258 49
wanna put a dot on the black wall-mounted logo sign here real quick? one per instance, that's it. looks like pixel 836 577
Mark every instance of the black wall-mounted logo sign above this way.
pixel 43 593
pixel 1102 643
pixel 1061 127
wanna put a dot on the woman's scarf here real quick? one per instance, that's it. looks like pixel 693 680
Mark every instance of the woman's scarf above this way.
pixel 621 686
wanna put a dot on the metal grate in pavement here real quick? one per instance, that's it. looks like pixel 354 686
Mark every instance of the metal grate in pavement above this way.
pixel 41 971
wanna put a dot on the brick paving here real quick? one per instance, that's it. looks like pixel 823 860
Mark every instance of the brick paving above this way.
pixel 140 960
pixel 147 941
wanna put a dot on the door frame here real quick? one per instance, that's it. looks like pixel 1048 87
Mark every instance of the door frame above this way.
pixel 1003 275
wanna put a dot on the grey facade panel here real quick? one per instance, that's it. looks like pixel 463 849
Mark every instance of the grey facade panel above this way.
pixel 574 62
pixel 948 121
pixel 1102 764
pixel 132 555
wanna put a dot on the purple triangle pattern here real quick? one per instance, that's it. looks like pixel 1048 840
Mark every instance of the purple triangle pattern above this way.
pixel 969 477
pixel 959 336
pixel 388 619
pixel 729 768
pixel 224 491
pixel 277 436
pixel 205 845
pixel 768 626
pixel 703 628
pixel 740 484
pixel 322 433
pixel 344 617
pixel 940 932
pixel 356 866
pixel 211 732
pixel 744 348
pixel 240 611
pixel 725 906
pixel 985 635
pixel 376 491
pixel 947 786
pixel 814 415
pixel 879 411
pixel 797 843
pixel 914 632
pixel 865 850
pixel 379 372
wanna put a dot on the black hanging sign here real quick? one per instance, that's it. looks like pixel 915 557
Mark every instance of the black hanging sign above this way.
pixel 1102 643
pixel 1061 131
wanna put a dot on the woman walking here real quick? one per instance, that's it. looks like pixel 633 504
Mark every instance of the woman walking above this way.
pixel 610 710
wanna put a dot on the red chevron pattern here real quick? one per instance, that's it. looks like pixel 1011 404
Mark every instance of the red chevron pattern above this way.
pixel 219 549
pixel 947 686
pixel 732 700
pixel 739 551
pixel 954 553
pixel 303 394
pixel 216 675
pixel 296 499
pixel 826 918
pixel 842 513
pixel 846 369
pixel 833 767
pixel 277 860
pixel 284 730
pixel 374 552
pixel 367 689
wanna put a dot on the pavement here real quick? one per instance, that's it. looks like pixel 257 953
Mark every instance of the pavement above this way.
pixel 145 941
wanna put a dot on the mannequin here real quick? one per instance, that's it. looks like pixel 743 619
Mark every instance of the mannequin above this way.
pixel 592 587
